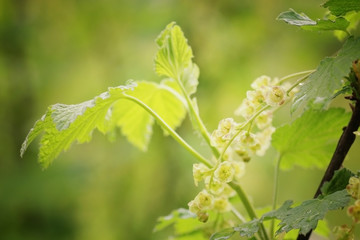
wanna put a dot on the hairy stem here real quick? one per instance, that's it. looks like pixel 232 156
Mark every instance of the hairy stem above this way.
pixel 346 140
pixel 171 131
pixel 275 192
pixel 249 208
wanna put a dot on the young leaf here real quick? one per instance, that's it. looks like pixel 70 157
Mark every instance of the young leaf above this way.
pixel 341 7
pixel 65 124
pixel 338 182
pixel 327 79
pixel 311 139
pixel 174 53
pixel 293 18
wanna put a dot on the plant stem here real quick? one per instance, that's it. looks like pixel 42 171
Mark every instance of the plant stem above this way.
pixel 249 208
pixel 195 114
pixel 275 192
pixel 346 140
pixel 171 131
pixel 283 79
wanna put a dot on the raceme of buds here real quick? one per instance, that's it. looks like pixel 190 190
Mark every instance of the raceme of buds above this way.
pixel 353 187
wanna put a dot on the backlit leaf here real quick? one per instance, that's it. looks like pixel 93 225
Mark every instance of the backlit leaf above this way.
pixel 64 124
pixel 321 85
pixel 310 140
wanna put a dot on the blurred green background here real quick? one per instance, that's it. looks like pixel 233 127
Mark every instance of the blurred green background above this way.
pixel 69 51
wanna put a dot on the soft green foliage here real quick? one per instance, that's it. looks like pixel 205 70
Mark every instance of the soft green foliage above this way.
pixel 175 217
pixel 304 217
pixel 65 124
pixel 223 234
pixel 185 224
pixel 310 140
pixel 341 7
pixel 294 18
pixel 174 53
pixel 338 182
pixel 321 85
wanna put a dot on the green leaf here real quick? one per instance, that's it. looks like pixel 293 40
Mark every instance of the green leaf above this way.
pixel 293 18
pixel 136 124
pixel 305 217
pixel 310 140
pixel 64 124
pixel 327 79
pixel 341 7
pixel 300 19
pixel 175 216
pixel 328 25
pixel 223 234
pixel 186 225
pixel 338 182
pixel 174 53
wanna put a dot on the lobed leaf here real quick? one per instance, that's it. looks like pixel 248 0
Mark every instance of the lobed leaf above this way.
pixel 174 53
pixel 304 217
pixel 321 85
pixel 310 140
pixel 64 124
pixel 341 7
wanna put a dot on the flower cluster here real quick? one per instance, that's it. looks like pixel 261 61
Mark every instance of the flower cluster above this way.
pixel 345 232
pixel 237 143
pixel 353 189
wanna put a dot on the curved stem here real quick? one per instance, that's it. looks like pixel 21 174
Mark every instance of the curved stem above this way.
pixel 171 131
pixel 275 192
pixel 283 79
pixel 194 114
pixel 300 80
pixel 249 208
